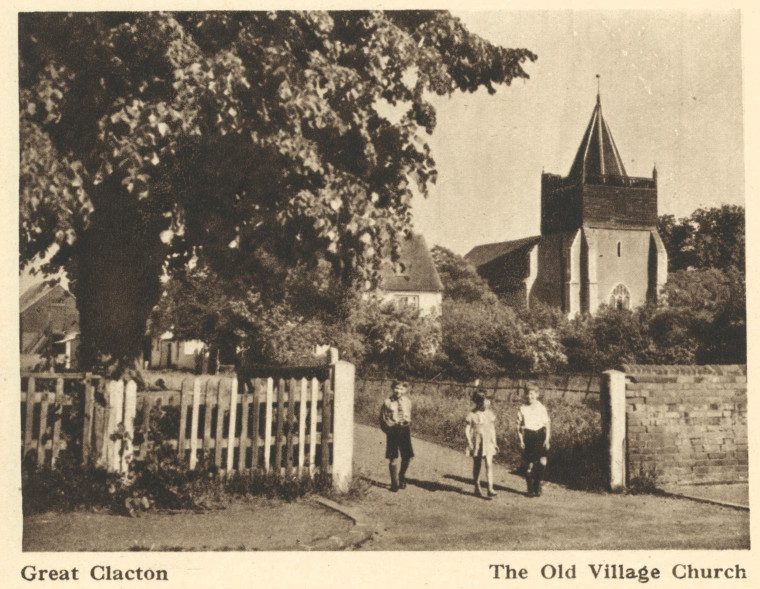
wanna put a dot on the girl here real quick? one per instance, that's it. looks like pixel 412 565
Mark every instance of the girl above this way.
pixel 534 430
pixel 480 431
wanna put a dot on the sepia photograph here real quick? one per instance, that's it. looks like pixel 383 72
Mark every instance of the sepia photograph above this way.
pixel 385 281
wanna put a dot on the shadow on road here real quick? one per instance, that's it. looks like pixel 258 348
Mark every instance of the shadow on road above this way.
pixel 436 486
pixel 431 486
pixel 469 481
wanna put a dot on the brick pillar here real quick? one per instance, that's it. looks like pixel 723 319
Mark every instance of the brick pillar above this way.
pixel 614 426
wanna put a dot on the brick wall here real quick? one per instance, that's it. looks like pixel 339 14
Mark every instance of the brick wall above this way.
pixel 687 423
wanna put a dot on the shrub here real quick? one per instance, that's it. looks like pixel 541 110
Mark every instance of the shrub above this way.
pixel 68 487
pixel 644 481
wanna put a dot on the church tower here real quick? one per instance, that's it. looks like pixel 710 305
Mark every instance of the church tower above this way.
pixel 599 241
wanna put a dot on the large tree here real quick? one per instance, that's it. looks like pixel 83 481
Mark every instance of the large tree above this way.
pixel 253 140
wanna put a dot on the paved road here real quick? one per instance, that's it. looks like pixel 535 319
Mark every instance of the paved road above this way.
pixel 439 512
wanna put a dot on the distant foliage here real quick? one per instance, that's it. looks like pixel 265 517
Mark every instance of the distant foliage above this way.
pixel 708 238
pixel 461 281
pixel 481 339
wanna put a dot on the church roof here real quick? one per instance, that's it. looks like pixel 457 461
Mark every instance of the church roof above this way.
pixel 482 254
pixel 597 155
pixel 416 269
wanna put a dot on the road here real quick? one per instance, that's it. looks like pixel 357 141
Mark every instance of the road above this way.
pixel 438 511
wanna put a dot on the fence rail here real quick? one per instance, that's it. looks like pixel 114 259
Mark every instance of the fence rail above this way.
pixel 576 387
pixel 288 424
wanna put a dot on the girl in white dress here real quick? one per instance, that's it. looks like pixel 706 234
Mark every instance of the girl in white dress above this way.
pixel 480 431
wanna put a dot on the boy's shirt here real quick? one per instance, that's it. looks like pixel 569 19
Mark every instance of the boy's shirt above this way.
pixel 396 411
pixel 533 417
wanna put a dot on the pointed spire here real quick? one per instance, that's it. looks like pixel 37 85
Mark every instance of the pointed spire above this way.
pixel 597 154
pixel 598 91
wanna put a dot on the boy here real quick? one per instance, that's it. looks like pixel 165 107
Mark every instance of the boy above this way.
pixel 534 430
pixel 395 418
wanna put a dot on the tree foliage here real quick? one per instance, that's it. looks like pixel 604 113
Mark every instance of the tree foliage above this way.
pixel 460 279
pixel 256 141
pixel 708 238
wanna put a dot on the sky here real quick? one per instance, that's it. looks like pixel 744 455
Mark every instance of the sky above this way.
pixel 671 92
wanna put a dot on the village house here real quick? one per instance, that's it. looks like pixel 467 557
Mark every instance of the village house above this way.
pixel 414 281
pixel 599 243
pixel 49 328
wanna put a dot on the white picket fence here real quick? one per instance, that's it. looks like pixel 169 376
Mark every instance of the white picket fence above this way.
pixel 292 424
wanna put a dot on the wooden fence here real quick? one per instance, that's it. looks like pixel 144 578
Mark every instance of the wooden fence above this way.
pixel 296 422
pixel 47 403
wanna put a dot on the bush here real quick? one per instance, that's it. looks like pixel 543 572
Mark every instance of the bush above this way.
pixel 68 487
pixel 644 482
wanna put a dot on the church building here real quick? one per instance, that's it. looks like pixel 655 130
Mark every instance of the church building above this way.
pixel 599 242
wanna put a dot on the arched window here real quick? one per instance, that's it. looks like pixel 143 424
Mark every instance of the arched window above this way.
pixel 620 297
pixel 619 249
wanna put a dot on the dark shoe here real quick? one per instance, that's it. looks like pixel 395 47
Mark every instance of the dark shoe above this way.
pixel 402 485
pixel 478 491
pixel 491 493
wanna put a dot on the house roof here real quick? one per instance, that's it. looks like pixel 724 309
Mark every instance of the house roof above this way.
pixel 483 254
pixel 33 294
pixel 597 155
pixel 417 270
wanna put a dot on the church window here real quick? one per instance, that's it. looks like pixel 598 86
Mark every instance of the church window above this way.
pixel 619 249
pixel 620 297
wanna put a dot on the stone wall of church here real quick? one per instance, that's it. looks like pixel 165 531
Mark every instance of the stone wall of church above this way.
pixel 609 206
pixel 622 257
pixel 547 287
pixel 560 205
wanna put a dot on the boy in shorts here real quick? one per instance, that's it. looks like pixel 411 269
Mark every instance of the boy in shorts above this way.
pixel 395 419
pixel 534 431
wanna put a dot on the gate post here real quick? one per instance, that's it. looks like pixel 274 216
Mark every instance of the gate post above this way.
pixel 117 449
pixel 614 427
pixel 343 425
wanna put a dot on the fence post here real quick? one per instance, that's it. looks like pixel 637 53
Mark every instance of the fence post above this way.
pixel 614 426
pixel 89 410
pixel 130 411
pixel 194 423
pixel 114 391
pixel 233 420
pixel 58 418
pixel 343 425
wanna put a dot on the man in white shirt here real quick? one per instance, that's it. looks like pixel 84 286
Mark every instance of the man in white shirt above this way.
pixel 534 430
